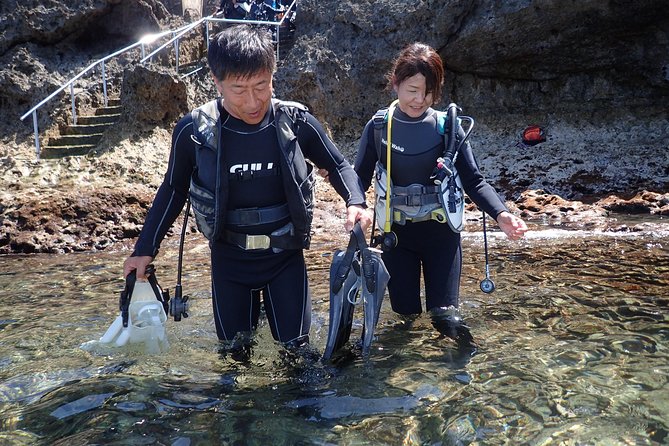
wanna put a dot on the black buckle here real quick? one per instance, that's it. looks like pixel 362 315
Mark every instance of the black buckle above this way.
pixel 244 175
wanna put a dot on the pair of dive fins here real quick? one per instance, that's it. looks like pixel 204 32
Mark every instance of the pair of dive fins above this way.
pixel 144 307
pixel 143 312
pixel 357 276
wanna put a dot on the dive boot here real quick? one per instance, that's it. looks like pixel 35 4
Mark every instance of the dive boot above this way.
pixel 448 322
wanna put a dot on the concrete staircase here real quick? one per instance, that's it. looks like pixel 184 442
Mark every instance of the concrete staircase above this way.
pixel 82 138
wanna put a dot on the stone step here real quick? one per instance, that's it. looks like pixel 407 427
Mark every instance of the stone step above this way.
pixel 98 119
pixel 50 152
pixel 76 140
pixel 90 129
pixel 83 137
pixel 109 110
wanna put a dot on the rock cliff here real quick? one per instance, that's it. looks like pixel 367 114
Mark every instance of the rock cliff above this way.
pixel 594 74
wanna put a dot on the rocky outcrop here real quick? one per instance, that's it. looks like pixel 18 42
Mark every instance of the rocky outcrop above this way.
pixel 60 221
pixel 590 72
pixel 64 222
pixel 44 44
pixel 152 98
pixel 593 74
pixel 643 202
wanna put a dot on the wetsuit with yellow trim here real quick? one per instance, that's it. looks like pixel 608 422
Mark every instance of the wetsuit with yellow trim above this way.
pixel 428 246
pixel 250 178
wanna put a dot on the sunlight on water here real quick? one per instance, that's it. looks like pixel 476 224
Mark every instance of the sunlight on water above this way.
pixel 573 350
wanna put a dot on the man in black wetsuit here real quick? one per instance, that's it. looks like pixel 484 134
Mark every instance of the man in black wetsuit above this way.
pixel 232 9
pixel 242 161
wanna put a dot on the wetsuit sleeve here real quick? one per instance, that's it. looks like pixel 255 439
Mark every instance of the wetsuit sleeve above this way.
pixel 366 158
pixel 476 187
pixel 321 150
pixel 172 193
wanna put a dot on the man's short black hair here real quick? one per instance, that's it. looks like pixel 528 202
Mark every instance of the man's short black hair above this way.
pixel 241 51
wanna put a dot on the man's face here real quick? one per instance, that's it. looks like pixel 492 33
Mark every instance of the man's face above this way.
pixel 247 98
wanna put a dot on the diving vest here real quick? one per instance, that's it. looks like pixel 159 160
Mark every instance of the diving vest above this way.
pixel 443 202
pixel 210 206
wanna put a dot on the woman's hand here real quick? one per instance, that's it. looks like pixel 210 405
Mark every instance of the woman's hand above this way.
pixel 514 227
pixel 324 173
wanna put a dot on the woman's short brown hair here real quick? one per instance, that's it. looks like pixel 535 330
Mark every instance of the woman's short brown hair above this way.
pixel 419 58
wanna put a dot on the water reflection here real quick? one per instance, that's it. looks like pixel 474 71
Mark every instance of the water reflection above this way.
pixel 573 350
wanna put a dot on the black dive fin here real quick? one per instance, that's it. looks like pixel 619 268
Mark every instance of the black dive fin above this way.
pixel 344 281
pixel 375 280
pixel 356 275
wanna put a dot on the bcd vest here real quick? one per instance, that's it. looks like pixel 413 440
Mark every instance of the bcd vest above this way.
pixel 442 202
pixel 210 206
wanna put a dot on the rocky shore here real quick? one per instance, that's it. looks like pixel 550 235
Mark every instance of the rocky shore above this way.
pixel 99 202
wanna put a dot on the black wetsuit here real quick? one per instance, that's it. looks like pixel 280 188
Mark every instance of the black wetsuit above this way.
pixel 232 10
pixel 429 245
pixel 239 275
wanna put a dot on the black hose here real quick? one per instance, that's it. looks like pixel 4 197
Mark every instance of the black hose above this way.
pixel 485 243
pixel 486 285
pixel 177 291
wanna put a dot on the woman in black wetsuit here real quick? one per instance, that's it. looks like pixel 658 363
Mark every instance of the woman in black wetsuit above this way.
pixel 423 243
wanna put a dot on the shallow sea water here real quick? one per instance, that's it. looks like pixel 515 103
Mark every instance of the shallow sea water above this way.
pixel 573 351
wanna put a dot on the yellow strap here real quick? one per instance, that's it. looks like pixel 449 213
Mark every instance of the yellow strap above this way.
pixel 389 145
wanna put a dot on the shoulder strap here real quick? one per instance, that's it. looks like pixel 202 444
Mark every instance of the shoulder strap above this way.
pixel 205 128
pixel 286 115
pixel 290 104
pixel 294 110
pixel 442 121
pixel 380 118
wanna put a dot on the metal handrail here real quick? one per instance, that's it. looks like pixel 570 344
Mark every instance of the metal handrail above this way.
pixel 176 35
pixel 148 39
pixel 278 24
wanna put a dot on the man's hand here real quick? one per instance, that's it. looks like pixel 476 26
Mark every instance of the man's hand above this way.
pixel 356 213
pixel 138 264
pixel 513 227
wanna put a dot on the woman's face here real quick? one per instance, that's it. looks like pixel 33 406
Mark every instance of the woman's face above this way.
pixel 413 100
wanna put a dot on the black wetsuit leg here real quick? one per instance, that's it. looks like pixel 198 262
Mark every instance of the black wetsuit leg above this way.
pixel 442 267
pixel 403 264
pixel 237 277
pixel 435 249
